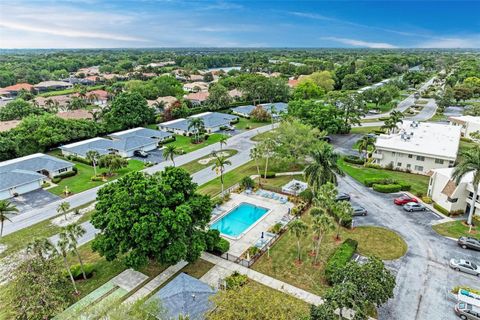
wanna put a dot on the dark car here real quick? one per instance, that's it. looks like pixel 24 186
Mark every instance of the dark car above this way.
pixel 359 211
pixel 342 196
pixel 469 243
pixel 140 153
pixel 404 200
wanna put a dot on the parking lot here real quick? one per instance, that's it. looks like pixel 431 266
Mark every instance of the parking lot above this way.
pixel 424 278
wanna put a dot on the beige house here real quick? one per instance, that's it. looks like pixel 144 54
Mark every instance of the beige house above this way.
pixel 418 147
pixel 469 124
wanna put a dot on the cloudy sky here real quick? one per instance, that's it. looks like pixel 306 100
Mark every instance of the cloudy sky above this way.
pixel 281 23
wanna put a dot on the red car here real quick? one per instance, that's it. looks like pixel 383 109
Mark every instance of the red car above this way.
pixel 404 200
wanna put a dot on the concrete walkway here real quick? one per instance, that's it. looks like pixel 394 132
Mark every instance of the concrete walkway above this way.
pixel 156 282
pixel 262 278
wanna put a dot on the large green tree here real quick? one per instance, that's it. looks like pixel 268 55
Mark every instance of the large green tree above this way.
pixel 218 96
pixel 128 110
pixel 157 217
pixel 323 168
pixel 18 109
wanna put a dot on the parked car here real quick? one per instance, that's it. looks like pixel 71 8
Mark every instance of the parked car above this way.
pixel 404 200
pixel 413 206
pixel 469 243
pixel 467 311
pixel 140 153
pixel 465 266
pixel 359 211
pixel 342 196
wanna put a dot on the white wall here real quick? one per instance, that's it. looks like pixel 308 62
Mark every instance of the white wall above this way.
pixel 6 194
pixel 385 157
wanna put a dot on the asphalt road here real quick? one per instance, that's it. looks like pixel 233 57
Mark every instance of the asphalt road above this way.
pixel 423 275
pixel 241 142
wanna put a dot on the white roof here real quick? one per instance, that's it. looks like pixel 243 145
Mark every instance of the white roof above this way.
pixel 430 139
pixel 448 172
pixel 470 119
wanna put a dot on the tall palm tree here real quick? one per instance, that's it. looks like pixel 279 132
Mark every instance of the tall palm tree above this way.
pixel 93 157
pixel 170 152
pixel 364 143
pixel 219 167
pixel 5 209
pixel 321 225
pixel 197 124
pixel 470 162
pixel 63 208
pixel 397 116
pixel 324 167
pixel 63 248
pixel 299 230
pixel 390 125
pixel 325 199
pixel 266 147
pixel 223 141
pixel 42 248
pixel 75 231
pixel 255 155
pixel 343 210
pixel 112 162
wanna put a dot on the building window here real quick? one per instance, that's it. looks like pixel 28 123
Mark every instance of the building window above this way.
pixel 419 168
pixel 409 166
pixel 393 153
pixel 410 156
pixel 452 200
pixel 399 164
pixel 62 170
pixel 439 161
pixel 420 158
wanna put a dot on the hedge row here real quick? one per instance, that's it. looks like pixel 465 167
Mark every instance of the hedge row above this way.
pixel 340 258
pixel 76 271
pixel 387 188
pixel 386 185
pixel 369 182
pixel 353 159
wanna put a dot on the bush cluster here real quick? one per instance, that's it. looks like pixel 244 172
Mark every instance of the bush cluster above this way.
pixel 235 280
pixel 340 258
pixel 354 160
pixel 270 175
pixel 79 159
pixel 76 270
pixel 387 188
pixel 386 185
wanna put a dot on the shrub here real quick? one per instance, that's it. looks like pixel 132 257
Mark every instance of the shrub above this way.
pixel 373 166
pixel 247 182
pixel 441 209
pixel 46 184
pixel 377 132
pixel 404 186
pixel 458 288
pixel 465 139
pixel 353 159
pixel 270 175
pixel 212 237
pixel 340 258
pixel 369 182
pixel 387 188
pixel 427 200
pixel 76 271
pixel 66 174
pixel 235 280
pixel 276 228
pixel 306 195
pixel 79 159
pixel 253 251
pixel 221 246
pixel 56 179
pixel 168 140
pixel 96 178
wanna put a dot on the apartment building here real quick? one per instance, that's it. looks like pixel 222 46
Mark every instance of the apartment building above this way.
pixel 469 124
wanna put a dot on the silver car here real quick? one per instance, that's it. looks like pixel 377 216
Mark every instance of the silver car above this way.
pixel 413 206
pixel 465 266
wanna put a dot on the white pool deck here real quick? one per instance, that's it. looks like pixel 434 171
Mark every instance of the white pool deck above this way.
pixel 276 209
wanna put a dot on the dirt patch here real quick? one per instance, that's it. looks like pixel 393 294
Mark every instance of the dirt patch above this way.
pixel 205 161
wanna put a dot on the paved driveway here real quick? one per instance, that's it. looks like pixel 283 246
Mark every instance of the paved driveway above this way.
pixel 33 199
pixel 343 143
pixel 423 275
pixel 154 156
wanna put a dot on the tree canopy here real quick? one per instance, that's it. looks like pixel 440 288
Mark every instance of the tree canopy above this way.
pixel 128 110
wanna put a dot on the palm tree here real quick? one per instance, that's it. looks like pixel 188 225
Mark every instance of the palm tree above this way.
pixel 63 208
pixel 390 125
pixel 75 231
pixel 219 167
pixel 42 248
pixel 112 162
pixel 197 124
pixel 93 157
pixel 299 230
pixel 170 152
pixel 63 246
pixel 266 148
pixel 255 155
pixel 364 143
pixel 6 208
pixel 223 141
pixel 324 167
pixel 397 116
pixel 470 162
pixel 325 199
pixel 320 225
pixel 343 210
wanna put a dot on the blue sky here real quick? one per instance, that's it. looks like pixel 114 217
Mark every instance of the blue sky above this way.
pixel 177 23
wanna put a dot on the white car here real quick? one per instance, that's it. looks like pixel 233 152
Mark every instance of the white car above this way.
pixel 465 266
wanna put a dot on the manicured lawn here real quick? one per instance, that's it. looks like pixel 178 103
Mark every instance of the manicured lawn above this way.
pixel 438 117
pixel 194 166
pixel 68 91
pixel 364 130
pixel 457 229
pixel 18 240
pixel 185 143
pixel 247 124
pixel 280 181
pixel 418 182
pixel 82 180
pixel 198 268
pixel 261 136
pixel 281 261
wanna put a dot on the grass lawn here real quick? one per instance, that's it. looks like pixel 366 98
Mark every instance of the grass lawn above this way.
pixel 261 136
pixel 82 180
pixel 419 183
pixel 247 124
pixel 185 143
pixel 280 181
pixel 194 166
pixel 198 268
pixel 68 91
pixel 364 130
pixel 457 229
pixel 438 117
pixel 280 263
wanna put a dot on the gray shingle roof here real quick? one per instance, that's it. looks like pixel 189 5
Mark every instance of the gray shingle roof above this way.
pixel 100 145
pixel 141 132
pixel 210 120
pixel 279 107
pixel 17 178
pixel 35 162
pixel 245 110
pixel 185 296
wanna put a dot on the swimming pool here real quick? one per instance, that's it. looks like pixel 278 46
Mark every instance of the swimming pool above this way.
pixel 237 221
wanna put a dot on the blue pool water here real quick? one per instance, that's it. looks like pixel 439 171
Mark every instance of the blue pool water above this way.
pixel 239 219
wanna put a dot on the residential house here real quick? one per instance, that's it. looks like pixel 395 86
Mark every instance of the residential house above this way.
pixel 61 101
pixel 469 124
pixel 292 83
pixel 12 91
pixel 97 97
pixel 75 114
pixel 185 297
pixel 195 87
pixel 213 122
pixel 197 98
pixel 277 108
pixel 26 174
pixel 52 85
pixel 235 94
pixel 81 81
pixel 90 71
pixel 418 147
pixel 167 101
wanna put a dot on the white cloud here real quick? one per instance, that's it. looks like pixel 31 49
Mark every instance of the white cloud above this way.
pixel 361 43
pixel 472 41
